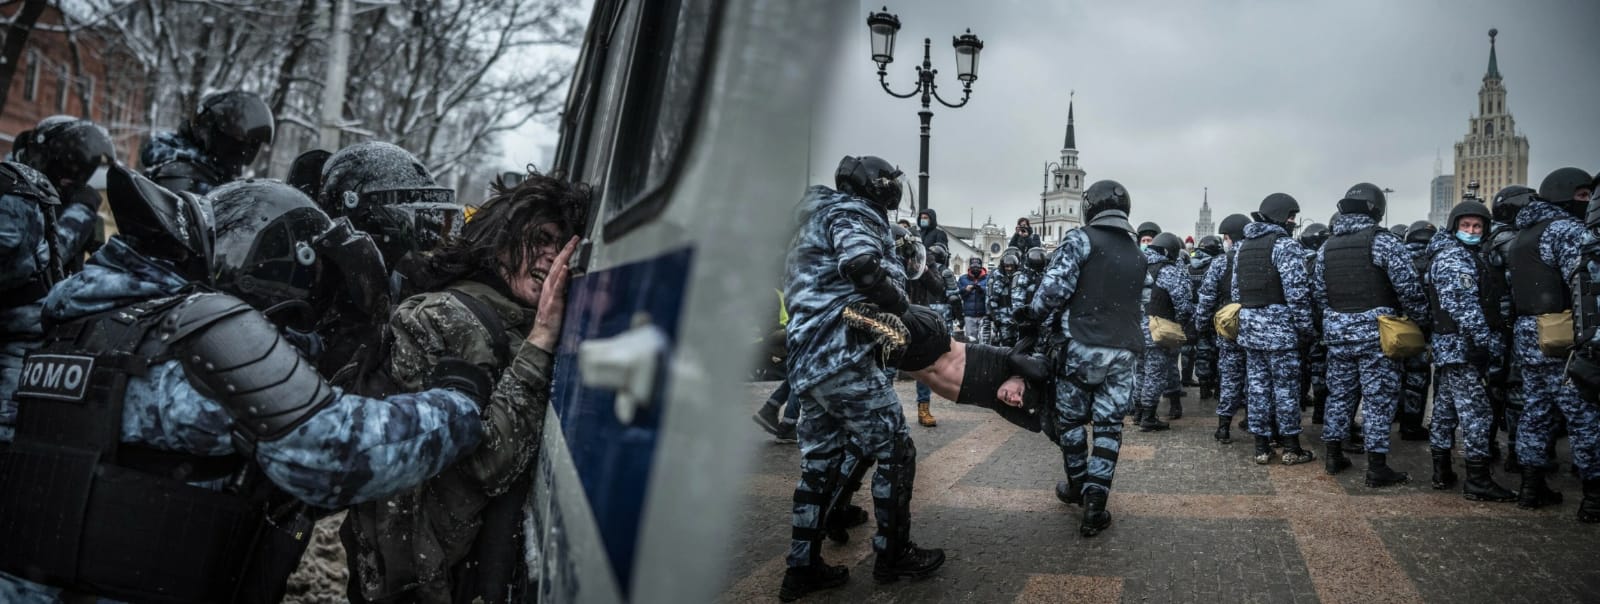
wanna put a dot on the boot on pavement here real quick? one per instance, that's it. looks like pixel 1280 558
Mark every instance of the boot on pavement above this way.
pixel 1444 476
pixel 1095 516
pixel 925 416
pixel 1293 455
pixel 1379 474
pixel 1263 454
pixel 1535 493
pixel 1334 461
pixel 1222 435
pixel 1480 485
pixel 801 580
pixel 1175 406
pixel 1589 508
pixel 1150 423
pixel 911 562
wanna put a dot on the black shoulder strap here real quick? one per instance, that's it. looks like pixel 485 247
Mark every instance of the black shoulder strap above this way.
pixel 490 320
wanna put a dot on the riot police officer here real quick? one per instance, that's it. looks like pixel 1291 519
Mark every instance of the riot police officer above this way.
pixel 1204 346
pixel 1216 291
pixel 1464 305
pixel 211 148
pixel 1546 251
pixel 1169 301
pixel 1416 373
pixel 1314 383
pixel 176 407
pixel 1376 278
pixel 1584 367
pixel 1270 284
pixel 1000 287
pixel 29 266
pixel 1503 380
pixel 1092 291
pixel 842 254
pixel 68 150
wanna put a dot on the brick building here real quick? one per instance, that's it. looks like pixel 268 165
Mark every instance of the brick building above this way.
pixel 106 89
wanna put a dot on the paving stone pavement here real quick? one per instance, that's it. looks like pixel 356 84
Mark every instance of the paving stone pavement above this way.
pixel 1194 521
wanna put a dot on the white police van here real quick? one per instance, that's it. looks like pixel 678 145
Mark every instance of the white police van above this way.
pixel 690 118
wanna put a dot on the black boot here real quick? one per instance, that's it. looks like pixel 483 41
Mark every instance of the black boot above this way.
pixel 1513 465
pixel 1069 491
pixel 1379 474
pixel 841 515
pixel 1293 455
pixel 801 580
pixel 1263 454
pixel 1095 516
pixel 1534 492
pixel 1319 409
pixel 1335 462
pixel 1589 508
pixel 1150 423
pixel 1244 422
pixel 1222 435
pixel 1357 444
pixel 839 522
pixel 1444 476
pixel 911 563
pixel 1480 485
pixel 1175 406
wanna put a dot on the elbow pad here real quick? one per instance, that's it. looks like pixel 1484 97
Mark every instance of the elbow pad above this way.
pixel 867 275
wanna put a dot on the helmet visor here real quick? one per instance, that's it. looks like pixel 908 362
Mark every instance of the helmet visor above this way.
pixel 432 214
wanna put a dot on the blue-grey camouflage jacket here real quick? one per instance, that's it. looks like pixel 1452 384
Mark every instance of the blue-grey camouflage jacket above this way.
pixel 1278 326
pixel 24 253
pixel 1000 287
pixel 1023 287
pixel 1205 304
pixel 1455 279
pixel 1389 254
pixel 1561 245
pixel 1060 281
pixel 355 449
pixel 834 227
pixel 168 147
pixel 1174 277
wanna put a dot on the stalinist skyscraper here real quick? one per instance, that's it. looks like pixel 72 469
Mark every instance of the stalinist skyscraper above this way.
pixel 1492 153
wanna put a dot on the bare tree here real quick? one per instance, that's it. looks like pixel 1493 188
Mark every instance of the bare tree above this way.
pixel 17 29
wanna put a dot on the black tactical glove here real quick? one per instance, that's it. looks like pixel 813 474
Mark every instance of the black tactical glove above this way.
pixel 461 376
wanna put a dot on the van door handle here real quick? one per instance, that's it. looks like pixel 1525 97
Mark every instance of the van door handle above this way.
pixel 626 364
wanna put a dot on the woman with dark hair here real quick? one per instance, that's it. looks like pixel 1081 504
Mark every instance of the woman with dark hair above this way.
pixel 494 300
pixel 1025 239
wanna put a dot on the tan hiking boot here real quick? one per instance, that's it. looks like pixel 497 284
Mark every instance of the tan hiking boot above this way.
pixel 925 417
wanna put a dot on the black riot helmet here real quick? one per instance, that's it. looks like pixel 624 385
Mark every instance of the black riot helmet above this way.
pixel 1510 201
pixel 1233 226
pixel 305 173
pixel 1565 184
pixel 1399 230
pixel 1211 244
pixel 67 150
pixel 1314 235
pixel 871 178
pixel 939 256
pixel 909 248
pixel 279 252
pixel 390 195
pixel 1107 196
pixel 1169 245
pixel 1010 259
pixel 1035 258
pixel 1364 198
pixel 231 127
pixel 1421 231
pixel 1468 208
pixel 1278 209
pixel 161 224
pixel 1148 229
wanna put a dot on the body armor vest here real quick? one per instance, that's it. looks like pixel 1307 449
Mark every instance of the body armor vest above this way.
pixel 1488 299
pixel 1225 282
pixel 1104 310
pixel 1260 285
pixel 1354 283
pixel 1536 288
pixel 1160 298
pixel 1497 259
pixel 83 511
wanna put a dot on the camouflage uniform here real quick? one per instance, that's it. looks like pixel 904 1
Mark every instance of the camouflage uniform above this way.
pixel 1357 368
pixel 170 153
pixel 1023 286
pixel 1454 274
pixel 1271 336
pixel 24 257
pixel 1416 373
pixel 353 450
pixel 1158 367
pixel 1546 389
pixel 839 380
pixel 435 524
pixel 1094 384
pixel 1230 372
pixel 1000 286
pixel 1202 344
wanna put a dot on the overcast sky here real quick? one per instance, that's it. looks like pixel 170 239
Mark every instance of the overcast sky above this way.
pixel 1246 98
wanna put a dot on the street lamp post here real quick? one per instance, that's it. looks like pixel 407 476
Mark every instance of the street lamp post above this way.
pixel 883 27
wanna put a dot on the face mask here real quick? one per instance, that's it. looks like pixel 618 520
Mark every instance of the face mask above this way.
pixel 1144 247
pixel 1468 239
pixel 973 271
pixel 922 223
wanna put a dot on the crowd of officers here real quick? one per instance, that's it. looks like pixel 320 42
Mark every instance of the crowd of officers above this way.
pixel 179 403
pixel 1496 309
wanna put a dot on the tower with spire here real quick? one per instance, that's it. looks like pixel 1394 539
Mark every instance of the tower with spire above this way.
pixel 1062 196
pixel 1204 226
pixel 1492 153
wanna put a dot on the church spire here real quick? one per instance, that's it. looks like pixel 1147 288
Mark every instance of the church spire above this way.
pixel 1205 198
pixel 1072 139
pixel 1494 66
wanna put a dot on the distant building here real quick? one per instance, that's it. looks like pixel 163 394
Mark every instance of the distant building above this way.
pixel 1062 196
pixel 1444 189
pixel 1492 152
pixel 1204 227
pixel 104 85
